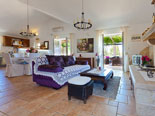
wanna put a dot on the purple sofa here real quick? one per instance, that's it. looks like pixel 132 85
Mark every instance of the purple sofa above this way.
pixel 56 78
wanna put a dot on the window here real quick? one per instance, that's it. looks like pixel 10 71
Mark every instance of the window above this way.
pixel 62 46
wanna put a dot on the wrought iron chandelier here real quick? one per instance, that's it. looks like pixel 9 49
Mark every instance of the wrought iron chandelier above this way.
pixel 83 24
pixel 27 33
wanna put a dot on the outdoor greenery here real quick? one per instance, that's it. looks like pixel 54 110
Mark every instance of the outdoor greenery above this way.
pixel 112 40
pixel 108 40
pixel 117 38
pixel 113 45
pixel 64 44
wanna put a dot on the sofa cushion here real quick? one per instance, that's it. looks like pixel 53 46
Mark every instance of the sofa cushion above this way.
pixel 56 63
pixel 50 68
pixel 60 60
pixel 50 58
pixel 55 60
pixel 69 60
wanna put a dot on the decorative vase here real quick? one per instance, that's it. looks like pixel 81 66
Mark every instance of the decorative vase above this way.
pixel 97 61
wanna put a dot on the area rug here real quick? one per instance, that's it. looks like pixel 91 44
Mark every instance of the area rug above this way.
pixel 112 88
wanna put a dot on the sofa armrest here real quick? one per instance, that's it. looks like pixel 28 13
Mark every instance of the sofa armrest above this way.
pixel 81 62
pixel 33 63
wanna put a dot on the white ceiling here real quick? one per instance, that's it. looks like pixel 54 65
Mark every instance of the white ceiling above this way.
pixel 103 13
pixel 13 17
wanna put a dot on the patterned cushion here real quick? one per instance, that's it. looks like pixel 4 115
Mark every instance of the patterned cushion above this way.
pixel 55 60
pixel 69 60
pixel 57 64
pixel 50 58
pixel 41 60
pixel 50 68
pixel 60 60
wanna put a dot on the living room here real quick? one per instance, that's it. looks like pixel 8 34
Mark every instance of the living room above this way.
pixel 44 44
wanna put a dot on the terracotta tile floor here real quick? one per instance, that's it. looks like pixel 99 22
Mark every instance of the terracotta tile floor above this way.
pixel 19 96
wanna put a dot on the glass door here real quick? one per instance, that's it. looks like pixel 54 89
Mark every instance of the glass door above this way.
pixel 113 51
pixel 62 46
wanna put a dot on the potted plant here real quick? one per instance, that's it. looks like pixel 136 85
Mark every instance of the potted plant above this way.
pixel 31 50
pixel 145 60
pixel 107 59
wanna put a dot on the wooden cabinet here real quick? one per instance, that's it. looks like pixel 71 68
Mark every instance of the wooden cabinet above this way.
pixel 26 42
pixel 91 61
pixel 8 41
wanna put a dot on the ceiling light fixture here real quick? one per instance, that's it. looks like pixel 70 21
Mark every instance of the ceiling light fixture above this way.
pixel 83 24
pixel 27 33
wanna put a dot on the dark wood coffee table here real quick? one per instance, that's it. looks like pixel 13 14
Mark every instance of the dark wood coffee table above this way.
pixel 103 76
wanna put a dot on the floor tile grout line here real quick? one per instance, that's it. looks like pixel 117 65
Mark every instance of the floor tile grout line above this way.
pixel 4 113
pixel 117 109
pixel 107 104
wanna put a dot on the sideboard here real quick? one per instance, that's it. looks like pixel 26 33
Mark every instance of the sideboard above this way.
pixel 91 61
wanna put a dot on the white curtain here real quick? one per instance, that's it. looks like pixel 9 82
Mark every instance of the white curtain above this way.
pixel 71 37
pixel 99 36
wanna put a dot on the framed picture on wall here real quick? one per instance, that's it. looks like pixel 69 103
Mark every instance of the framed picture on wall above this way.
pixel 85 45
pixel 46 44
pixel 136 37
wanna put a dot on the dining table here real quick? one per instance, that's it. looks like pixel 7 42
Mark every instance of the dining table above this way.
pixel 21 59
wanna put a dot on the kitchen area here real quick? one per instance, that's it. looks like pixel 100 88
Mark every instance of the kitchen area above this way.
pixel 21 47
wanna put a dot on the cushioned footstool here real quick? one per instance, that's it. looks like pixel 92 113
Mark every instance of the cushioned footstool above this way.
pixel 80 87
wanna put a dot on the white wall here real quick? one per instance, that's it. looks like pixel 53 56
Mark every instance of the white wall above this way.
pixel 85 34
pixel 46 34
pixel 134 47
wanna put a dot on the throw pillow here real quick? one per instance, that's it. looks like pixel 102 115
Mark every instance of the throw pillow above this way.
pixel 60 60
pixel 50 68
pixel 49 57
pixel 69 60
pixel 52 60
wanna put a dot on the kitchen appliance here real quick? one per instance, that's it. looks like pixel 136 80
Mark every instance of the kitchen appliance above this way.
pixel 137 59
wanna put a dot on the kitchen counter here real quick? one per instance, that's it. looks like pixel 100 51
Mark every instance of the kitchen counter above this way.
pixel 139 80
pixel 144 92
